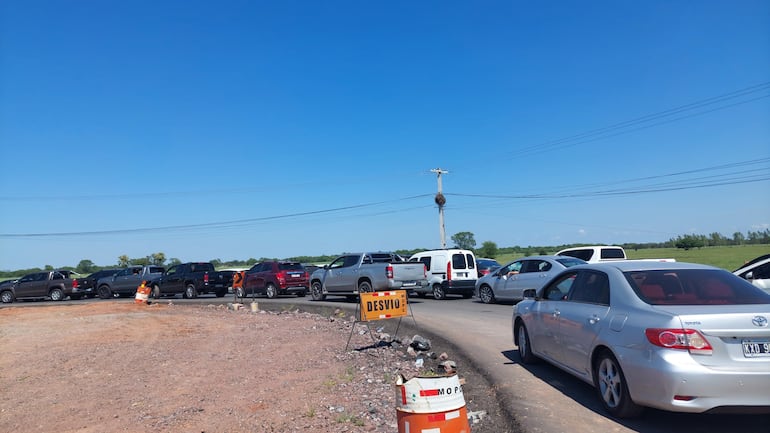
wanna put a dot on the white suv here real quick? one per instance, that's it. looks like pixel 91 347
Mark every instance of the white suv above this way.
pixel 595 254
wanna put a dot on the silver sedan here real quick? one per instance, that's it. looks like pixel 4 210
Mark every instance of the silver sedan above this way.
pixel 509 282
pixel 674 336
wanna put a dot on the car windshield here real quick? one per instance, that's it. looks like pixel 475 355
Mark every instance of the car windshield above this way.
pixel 694 287
pixel 290 267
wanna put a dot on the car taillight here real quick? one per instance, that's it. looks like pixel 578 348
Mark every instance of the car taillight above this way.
pixel 684 339
pixel 424 271
pixel 448 270
pixel 389 272
pixel 75 284
pixel 281 277
pixel 205 278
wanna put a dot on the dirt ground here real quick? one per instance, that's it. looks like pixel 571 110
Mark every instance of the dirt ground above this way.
pixel 111 366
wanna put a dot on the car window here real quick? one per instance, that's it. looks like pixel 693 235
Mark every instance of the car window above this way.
pixel 290 267
pixel 157 269
pixel 513 268
pixel 612 253
pixel 426 261
pixel 558 289
pixel 350 261
pixel 694 287
pixel 458 261
pixel 761 272
pixel 172 270
pixel 591 287
pixel 471 262
pixel 571 261
pixel 582 254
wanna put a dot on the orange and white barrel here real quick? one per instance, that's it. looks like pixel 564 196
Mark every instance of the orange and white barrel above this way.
pixel 142 293
pixel 431 405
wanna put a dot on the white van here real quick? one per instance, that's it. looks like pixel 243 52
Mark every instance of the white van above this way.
pixel 450 272
pixel 595 254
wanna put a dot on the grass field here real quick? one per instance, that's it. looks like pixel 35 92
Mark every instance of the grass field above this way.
pixel 729 258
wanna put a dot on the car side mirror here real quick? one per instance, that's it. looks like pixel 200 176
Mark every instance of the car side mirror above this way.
pixel 750 275
pixel 530 293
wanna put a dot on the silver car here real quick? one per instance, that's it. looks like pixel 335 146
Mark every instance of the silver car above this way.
pixel 509 282
pixel 674 336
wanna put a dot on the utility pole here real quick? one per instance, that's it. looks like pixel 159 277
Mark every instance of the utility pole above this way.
pixel 440 201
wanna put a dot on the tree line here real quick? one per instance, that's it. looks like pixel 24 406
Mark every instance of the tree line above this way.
pixel 463 240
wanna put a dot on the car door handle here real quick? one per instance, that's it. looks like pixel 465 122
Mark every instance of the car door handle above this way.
pixel 556 313
pixel 594 320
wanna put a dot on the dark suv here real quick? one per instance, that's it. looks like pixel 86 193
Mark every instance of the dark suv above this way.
pixel 275 278
pixel 88 284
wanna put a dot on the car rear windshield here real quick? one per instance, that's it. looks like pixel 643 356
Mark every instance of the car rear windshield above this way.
pixel 694 287
pixel 571 261
pixel 612 253
pixel 290 267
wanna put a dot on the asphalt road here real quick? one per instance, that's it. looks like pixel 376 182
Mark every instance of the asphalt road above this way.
pixel 541 398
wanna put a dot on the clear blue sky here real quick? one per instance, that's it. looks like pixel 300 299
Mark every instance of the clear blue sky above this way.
pixel 237 129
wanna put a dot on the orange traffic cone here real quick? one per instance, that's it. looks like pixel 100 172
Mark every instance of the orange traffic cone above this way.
pixel 434 404
pixel 142 293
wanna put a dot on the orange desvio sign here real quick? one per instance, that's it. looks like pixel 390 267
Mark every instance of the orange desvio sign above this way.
pixel 383 305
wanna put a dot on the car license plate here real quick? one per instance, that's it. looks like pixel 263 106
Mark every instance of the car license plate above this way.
pixel 409 283
pixel 294 275
pixel 753 349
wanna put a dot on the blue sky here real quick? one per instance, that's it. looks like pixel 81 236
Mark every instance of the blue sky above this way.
pixel 237 129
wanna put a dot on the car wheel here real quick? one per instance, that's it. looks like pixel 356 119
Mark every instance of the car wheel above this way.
pixel 190 292
pixel 156 292
pixel 239 292
pixel 270 291
pixel 486 295
pixel 104 292
pixel 317 292
pixel 525 347
pixel 612 387
pixel 56 294
pixel 6 297
pixel 365 287
pixel 438 292
pixel 221 293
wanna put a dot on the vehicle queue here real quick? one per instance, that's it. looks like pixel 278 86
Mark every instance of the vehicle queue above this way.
pixel 675 336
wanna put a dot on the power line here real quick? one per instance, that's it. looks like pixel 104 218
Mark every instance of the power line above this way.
pixel 222 224
pixel 644 122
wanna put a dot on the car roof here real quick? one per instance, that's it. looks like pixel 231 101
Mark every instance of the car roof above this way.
pixel 642 265
pixel 751 263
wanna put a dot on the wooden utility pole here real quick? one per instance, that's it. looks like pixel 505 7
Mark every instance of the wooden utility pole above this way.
pixel 440 201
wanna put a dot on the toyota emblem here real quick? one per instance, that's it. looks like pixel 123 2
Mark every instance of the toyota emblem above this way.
pixel 760 321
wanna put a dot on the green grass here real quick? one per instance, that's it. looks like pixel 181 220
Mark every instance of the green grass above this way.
pixel 728 257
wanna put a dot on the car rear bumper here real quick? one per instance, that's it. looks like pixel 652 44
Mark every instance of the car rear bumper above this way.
pixel 294 290
pixel 674 381
pixel 457 287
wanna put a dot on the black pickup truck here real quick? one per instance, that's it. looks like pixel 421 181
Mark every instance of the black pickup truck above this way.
pixel 191 280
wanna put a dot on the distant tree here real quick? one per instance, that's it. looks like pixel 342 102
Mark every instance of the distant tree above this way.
pixel 488 249
pixel 216 262
pixel 157 259
pixel 688 242
pixel 174 261
pixel 464 240
pixel 85 267
pixel 48 268
pixel 124 261
pixel 140 261
pixel 716 239
pixel 738 238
